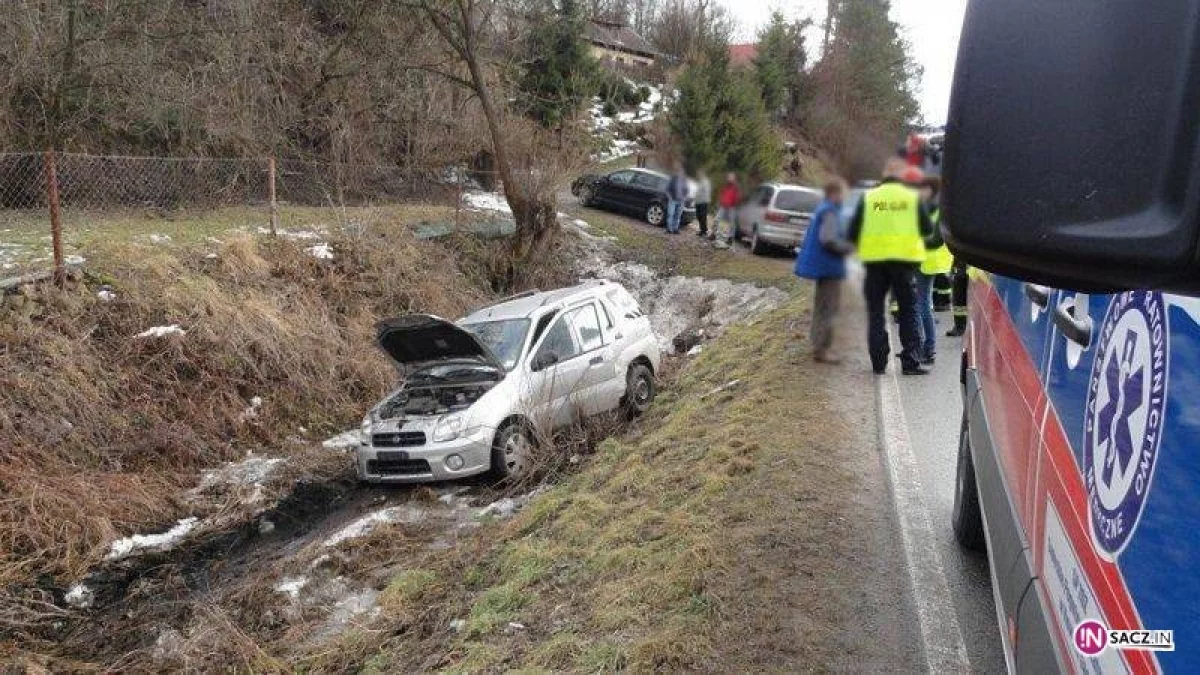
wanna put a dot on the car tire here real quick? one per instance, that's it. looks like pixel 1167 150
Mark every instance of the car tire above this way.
pixel 512 451
pixel 756 247
pixel 967 518
pixel 639 390
pixel 656 215
pixel 586 195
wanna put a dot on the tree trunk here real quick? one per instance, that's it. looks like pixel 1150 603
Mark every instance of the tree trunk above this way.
pixel 535 219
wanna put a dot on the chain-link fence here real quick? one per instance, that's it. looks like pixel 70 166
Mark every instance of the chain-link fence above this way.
pixel 49 198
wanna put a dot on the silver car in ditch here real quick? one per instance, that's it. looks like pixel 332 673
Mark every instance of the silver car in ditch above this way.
pixel 477 393
pixel 776 215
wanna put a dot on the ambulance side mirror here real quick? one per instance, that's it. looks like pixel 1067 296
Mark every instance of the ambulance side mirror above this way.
pixel 1072 154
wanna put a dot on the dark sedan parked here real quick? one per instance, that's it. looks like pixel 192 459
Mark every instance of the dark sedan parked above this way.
pixel 640 192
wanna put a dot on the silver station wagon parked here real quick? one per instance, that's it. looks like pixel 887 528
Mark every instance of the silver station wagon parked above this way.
pixel 776 215
pixel 477 393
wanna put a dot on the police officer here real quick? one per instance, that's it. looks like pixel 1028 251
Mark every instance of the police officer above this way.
pixel 892 229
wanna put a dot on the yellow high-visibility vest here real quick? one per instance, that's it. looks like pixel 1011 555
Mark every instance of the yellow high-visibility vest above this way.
pixel 891 225
pixel 940 259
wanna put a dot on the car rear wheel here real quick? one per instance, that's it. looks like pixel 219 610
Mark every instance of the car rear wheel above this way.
pixel 639 390
pixel 757 247
pixel 967 519
pixel 512 451
pixel 656 215
pixel 586 195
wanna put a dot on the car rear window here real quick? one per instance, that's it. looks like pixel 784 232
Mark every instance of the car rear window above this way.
pixel 797 200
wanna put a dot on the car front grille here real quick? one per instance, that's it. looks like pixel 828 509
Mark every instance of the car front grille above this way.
pixel 399 439
pixel 398 467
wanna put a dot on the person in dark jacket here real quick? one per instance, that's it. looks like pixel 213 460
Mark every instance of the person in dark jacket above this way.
pixel 822 259
pixel 677 193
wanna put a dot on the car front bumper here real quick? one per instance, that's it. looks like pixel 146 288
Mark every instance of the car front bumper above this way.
pixel 428 462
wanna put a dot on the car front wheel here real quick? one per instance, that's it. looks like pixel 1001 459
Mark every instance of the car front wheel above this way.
pixel 586 195
pixel 639 390
pixel 656 215
pixel 967 518
pixel 512 451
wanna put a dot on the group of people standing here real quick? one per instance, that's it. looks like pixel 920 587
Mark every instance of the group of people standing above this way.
pixel 680 187
pixel 895 232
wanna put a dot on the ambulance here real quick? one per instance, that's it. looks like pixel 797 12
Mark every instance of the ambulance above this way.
pixel 1073 191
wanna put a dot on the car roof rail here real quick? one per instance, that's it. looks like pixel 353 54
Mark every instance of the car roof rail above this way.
pixel 516 296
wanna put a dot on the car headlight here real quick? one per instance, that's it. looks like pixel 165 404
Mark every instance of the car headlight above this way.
pixel 448 428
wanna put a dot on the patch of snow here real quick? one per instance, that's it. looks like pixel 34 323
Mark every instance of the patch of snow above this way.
pixel 106 294
pixel 250 471
pixel 211 256
pixel 457 625
pixel 695 350
pixel 75 260
pixel 158 543
pixel 486 201
pixel 159 238
pixel 678 303
pixel 406 514
pixel 322 251
pixel 344 441
pixel 291 586
pixel 80 596
pixel 10 266
pixel 161 331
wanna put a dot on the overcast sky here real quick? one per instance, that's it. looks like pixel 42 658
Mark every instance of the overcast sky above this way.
pixel 932 26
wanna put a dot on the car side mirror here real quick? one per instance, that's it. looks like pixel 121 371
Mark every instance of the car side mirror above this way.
pixel 543 361
pixel 1067 163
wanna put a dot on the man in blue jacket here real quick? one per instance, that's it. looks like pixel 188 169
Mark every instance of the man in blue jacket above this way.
pixel 677 192
pixel 822 258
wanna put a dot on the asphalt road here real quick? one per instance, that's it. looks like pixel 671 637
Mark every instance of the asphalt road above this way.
pixel 933 411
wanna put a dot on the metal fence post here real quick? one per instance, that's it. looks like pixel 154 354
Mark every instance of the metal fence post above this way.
pixel 60 269
pixel 271 194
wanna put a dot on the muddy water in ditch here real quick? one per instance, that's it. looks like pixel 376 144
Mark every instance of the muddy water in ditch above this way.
pixel 302 571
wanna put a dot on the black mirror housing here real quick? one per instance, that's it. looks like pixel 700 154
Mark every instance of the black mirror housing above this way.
pixel 1072 148
pixel 543 361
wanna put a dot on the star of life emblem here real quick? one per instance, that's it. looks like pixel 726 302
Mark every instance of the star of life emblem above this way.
pixel 1125 407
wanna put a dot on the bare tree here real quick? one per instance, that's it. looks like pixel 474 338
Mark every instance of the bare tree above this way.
pixel 463 25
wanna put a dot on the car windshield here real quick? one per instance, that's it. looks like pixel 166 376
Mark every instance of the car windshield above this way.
pixel 797 200
pixel 505 338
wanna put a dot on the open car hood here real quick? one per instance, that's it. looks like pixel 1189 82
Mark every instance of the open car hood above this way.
pixel 423 338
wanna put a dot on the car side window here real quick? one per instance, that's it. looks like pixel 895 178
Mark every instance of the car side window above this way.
pixel 559 341
pixel 587 326
pixel 621 177
pixel 648 181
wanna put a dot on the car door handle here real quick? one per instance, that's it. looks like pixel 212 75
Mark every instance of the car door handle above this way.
pixel 1038 295
pixel 619 336
pixel 596 360
pixel 1076 329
